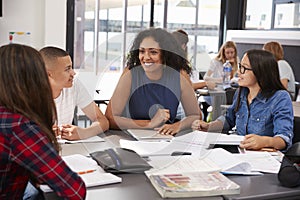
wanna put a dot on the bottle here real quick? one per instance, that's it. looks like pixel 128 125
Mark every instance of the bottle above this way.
pixel 226 74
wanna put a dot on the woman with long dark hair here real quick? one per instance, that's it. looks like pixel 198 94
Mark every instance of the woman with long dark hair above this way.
pixel 28 146
pixel 151 87
pixel 262 108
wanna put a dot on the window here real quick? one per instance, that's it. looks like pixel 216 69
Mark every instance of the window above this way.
pixel 270 14
pixel 287 14
pixel 104 31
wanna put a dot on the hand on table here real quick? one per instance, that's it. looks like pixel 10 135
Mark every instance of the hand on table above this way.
pixel 200 125
pixel 253 141
pixel 169 129
pixel 70 132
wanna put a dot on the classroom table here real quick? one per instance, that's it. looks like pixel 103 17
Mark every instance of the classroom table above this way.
pixel 138 187
pixel 296 108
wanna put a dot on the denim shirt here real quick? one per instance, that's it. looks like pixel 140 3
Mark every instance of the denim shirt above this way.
pixel 265 117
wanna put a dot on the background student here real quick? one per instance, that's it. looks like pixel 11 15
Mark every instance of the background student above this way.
pixel 228 51
pixel 285 70
pixel 182 38
pixel 68 92
pixel 262 109
pixel 28 146
pixel 152 85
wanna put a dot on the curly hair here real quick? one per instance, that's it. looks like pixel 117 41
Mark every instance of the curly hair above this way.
pixel 172 54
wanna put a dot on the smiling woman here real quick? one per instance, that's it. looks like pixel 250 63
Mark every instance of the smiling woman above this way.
pixel 152 85
pixel 262 108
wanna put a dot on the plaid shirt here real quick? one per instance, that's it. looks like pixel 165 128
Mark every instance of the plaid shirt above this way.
pixel 24 150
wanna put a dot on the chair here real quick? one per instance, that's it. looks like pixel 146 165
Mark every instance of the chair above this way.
pixel 80 116
pixel 201 75
pixel 297 88
pixel 296 130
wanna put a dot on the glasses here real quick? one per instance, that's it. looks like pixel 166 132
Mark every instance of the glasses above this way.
pixel 243 69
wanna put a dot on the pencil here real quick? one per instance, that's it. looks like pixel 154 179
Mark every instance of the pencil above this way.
pixel 86 172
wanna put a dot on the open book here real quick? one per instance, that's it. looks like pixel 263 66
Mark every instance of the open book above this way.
pixel 88 170
pixel 196 184
pixel 147 134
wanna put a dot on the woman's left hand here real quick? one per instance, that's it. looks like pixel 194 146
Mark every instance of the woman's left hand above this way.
pixel 169 129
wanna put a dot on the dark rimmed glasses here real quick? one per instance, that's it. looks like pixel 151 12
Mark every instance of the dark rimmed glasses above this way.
pixel 243 69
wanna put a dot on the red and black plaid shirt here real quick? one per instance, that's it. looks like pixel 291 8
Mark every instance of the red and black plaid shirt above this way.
pixel 24 150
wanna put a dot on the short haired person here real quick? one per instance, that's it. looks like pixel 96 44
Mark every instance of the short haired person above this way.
pixel 150 89
pixel 68 92
pixel 28 146
pixel 285 70
pixel 262 109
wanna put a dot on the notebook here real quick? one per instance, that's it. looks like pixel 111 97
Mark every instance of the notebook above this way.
pixel 88 170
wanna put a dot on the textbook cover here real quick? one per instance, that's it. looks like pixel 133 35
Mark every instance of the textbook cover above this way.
pixel 193 184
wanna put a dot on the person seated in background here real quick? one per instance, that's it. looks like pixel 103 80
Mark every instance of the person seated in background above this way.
pixel 182 38
pixel 262 108
pixel 228 51
pixel 28 146
pixel 285 70
pixel 68 92
pixel 152 85
pixel 214 75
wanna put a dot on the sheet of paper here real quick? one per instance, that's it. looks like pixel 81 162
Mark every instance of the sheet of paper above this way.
pixel 146 134
pixel 146 148
pixel 180 164
pixel 88 170
pixel 260 161
pixel 229 163
pixel 80 163
pixel 88 140
pixel 205 138
pixel 92 179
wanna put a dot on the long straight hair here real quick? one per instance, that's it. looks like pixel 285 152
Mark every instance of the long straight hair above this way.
pixel 25 87
pixel 265 69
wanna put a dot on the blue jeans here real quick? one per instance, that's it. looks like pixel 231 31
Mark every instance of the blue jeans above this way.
pixel 31 193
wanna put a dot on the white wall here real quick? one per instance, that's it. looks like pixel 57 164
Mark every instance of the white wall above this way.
pixel 262 36
pixel 45 20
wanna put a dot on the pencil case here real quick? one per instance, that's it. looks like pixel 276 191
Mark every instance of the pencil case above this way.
pixel 119 160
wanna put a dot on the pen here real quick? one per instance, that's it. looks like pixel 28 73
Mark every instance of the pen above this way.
pixel 86 172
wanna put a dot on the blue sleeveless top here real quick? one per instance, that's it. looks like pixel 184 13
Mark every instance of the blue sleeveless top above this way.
pixel 147 96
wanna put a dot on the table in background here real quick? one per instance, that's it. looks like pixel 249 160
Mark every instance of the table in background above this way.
pixel 138 187
pixel 296 107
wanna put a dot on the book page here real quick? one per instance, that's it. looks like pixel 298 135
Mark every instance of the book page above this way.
pixel 207 138
pixel 88 170
pixel 79 163
pixel 180 164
